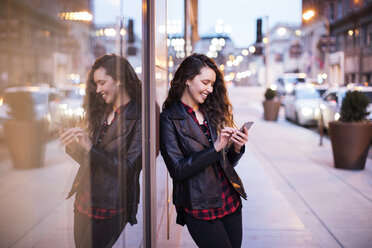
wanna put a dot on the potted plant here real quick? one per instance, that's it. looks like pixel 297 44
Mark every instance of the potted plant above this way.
pixel 271 105
pixel 25 131
pixel 351 134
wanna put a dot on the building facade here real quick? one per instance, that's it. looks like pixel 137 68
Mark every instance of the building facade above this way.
pixel 38 46
pixel 340 33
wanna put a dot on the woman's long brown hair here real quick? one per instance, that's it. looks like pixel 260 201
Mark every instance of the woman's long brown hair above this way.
pixel 217 105
pixel 120 70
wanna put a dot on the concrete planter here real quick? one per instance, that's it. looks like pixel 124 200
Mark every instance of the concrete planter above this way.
pixel 271 110
pixel 26 142
pixel 350 143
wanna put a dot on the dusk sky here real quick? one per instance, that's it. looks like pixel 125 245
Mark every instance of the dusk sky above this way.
pixel 240 14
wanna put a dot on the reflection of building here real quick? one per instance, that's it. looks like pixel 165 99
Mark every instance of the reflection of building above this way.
pixel 347 33
pixel 36 46
pixel 106 40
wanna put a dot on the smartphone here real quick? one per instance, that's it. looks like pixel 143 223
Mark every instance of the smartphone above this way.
pixel 248 125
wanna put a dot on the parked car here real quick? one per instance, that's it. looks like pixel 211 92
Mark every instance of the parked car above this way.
pixel 285 85
pixel 330 105
pixel 70 110
pixel 302 105
pixel 43 100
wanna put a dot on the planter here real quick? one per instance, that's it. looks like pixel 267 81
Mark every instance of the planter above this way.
pixel 350 143
pixel 26 143
pixel 271 110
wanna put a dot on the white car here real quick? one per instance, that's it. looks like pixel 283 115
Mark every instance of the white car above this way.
pixel 302 105
pixel 330 106
pixel 38 107
pixel 69 109
pixel 286 84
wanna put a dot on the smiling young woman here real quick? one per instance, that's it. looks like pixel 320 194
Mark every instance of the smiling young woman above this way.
pixel 200 146
pixel 107 147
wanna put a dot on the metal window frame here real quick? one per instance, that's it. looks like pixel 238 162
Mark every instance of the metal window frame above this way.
pixel 148 123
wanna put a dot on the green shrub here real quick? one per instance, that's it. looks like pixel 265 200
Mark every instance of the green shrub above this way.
pixel 354 107
pixel 270 94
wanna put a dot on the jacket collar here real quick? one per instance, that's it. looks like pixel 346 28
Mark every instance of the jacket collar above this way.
pixel 131 111
pixel 188 126
pixel 178 112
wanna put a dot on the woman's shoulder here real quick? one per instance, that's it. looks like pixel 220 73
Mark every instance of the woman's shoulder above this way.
pixel 132 110
pixel 174 111
pixel 169 109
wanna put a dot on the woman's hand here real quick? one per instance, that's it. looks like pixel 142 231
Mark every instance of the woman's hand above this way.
pixel 78 136
pixel 223 138
pixel 239 139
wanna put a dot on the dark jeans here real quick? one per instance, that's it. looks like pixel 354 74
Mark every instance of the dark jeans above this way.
pixel 225 232
pixel 89 232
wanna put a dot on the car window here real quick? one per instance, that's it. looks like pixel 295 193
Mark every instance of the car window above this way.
pixel 307 94
pixel 369 95
pixel 295 80
pixel 331 97
pixel 321 91
pixel 40 98
pixel 71 94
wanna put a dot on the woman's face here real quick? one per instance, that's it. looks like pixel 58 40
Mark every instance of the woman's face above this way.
pixel 198 89
pixel 106 86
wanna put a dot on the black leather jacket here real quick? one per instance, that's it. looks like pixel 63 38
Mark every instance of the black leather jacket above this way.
pixel 191 161
pixel 113 165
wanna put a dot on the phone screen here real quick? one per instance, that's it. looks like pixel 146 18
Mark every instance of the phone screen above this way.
pixel 248 125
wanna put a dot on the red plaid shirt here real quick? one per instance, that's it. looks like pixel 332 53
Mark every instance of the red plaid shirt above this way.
pixel 230 198
pixel 83 201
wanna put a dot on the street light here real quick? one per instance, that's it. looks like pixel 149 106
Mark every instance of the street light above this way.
pixel 308 15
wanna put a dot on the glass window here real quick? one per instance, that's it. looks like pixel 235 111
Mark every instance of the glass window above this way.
pixel 369 95
pixel 49 86
pixel 339 10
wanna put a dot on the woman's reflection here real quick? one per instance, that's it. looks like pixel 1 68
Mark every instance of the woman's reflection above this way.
pixel 108 148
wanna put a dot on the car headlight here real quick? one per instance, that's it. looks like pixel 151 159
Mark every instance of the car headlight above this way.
pixel 79 112
pixel 289 88
pixel 317 112
pixel 306 111
pixel 62 106
pixel 69 112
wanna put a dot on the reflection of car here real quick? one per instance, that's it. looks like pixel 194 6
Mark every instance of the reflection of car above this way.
pixel 70 109
pixel 285 85
pixel 41 98
pixel 321 88
pixel 332 100
pixel 301 105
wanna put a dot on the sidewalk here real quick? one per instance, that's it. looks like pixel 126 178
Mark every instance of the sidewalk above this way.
pixel 296 198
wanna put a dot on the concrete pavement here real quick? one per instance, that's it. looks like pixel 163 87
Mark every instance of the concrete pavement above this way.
pixel 295 196
pixel 332 207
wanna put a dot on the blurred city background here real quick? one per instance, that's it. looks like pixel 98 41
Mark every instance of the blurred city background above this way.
pixel 309 53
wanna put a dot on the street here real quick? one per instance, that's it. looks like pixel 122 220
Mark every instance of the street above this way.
pixel 296 198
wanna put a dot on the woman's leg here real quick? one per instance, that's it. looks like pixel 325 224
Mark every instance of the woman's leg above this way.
pixel 89 232
pixel 233 227
pixel 207 233
pixel 106 232
pixel 82 230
